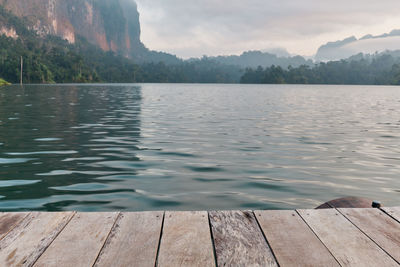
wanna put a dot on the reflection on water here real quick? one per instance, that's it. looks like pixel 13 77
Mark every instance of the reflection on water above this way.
pixel 55 149
pixel 188 147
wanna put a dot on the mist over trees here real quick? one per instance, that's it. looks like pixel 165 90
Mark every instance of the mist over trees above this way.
pixel 51 59
pixel 367 44
pixel 263 59
pixel 380 69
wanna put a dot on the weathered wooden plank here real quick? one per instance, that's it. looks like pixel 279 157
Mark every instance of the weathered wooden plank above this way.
pixel 293 242
pixel 133 241
pixel 348 244
pixel 80 242
pixel 24 244
pixel 394 212
pixel 186 240
pixel 9 220
pixel 379 227
pixel 238 240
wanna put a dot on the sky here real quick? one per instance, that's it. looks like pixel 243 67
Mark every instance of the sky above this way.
pixel 193 28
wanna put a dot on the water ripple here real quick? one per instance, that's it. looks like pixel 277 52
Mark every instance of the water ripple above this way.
pixel 49 139
pixel 14 160
pixel 205 169
pixel 196 147
pixel 66 152
pixel 11 183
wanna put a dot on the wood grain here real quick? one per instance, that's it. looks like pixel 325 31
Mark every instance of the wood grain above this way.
pixel 354 237
pixel 9 220
pixel 347 243
pixel 133 241
pixel 394 212
pixel 238 240
pixel 80 242
pixel 293 242
pixel 186 240
pixel 24 244
pixel 378 226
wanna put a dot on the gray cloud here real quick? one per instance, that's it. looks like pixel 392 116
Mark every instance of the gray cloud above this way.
pixel 214 27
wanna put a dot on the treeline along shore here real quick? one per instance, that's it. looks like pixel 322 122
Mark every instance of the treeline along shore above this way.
pixel 50 59
pixel 383 69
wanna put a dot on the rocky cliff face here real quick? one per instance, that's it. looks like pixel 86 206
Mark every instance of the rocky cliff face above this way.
pixel 112 25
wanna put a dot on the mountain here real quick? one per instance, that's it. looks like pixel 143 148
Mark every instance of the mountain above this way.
pixel 264 59
pixel 368 44
pixel 112 25
pixel 49 58
pixel 279 51
pixel 63 41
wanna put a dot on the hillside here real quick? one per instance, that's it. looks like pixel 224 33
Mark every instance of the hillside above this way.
pixel 49 59
pixel 53 57
pixel 112 25
pixel 263 59
pixel 368 44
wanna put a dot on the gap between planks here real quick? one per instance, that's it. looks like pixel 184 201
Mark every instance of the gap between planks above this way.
pixel 292 241
pixel 210 227
pixel 26 242
pixel 346 242
pixel 377 225
pixel 238 239
pixel 134 238
pixel 186 240
pixel 8 221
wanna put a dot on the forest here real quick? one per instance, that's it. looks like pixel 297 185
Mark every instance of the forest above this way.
pixel 51 59
pixel 383 69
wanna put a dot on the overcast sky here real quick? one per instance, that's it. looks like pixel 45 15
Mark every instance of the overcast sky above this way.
pixel 192 28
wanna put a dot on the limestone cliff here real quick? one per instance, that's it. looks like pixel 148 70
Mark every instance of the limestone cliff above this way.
pixel 110 24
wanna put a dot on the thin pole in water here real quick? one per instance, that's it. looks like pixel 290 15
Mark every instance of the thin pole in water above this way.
pixel 22 68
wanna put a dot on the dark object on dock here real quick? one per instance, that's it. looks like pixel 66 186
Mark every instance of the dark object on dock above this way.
pixel 350 202
pixel 376 204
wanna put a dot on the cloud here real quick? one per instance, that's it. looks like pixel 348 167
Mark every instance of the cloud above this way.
pixel 214 27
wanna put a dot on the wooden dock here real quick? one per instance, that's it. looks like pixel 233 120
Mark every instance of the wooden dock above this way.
pixel 330 237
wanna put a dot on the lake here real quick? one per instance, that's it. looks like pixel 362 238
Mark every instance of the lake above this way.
pixel 196 147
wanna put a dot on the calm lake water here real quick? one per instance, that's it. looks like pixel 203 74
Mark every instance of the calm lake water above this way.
pixel 196 147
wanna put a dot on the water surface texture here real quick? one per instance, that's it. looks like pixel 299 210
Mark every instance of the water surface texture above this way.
pixel 196 147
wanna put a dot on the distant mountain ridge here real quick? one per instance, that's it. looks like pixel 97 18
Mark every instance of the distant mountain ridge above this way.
pixel 367 44
pixel 392 33
pixel 264 59
pixel 114 25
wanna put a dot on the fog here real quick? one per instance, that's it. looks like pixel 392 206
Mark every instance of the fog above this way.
pixel 215 27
